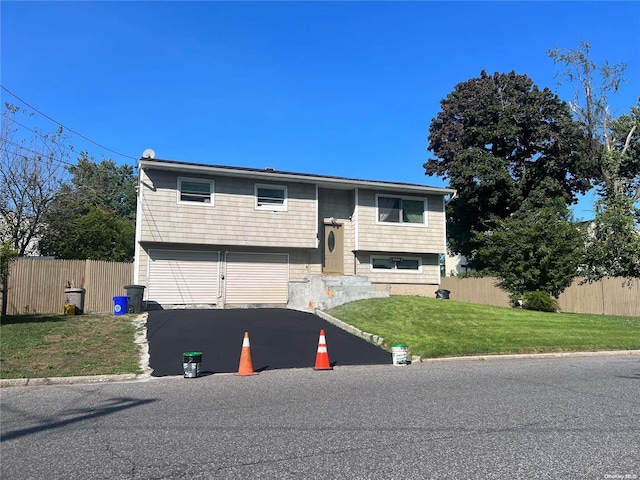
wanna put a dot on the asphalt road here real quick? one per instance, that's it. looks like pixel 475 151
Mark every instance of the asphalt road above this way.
pixel 279 338
pixel 573 418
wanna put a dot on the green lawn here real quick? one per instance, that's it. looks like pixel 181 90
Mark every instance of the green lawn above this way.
pixel 440 328
pixel 33 346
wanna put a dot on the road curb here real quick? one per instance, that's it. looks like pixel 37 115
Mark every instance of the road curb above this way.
pixel 33 382
pixel 522 356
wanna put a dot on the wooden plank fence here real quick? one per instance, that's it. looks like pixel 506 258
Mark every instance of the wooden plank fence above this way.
pixel 609 296
pixel 37 285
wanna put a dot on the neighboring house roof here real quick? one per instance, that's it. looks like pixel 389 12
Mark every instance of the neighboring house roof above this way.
pixel 271 174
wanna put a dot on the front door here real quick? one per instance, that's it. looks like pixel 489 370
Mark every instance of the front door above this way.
pixel 333 250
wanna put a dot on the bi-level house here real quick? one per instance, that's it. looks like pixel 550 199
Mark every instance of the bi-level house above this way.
pixel 219 236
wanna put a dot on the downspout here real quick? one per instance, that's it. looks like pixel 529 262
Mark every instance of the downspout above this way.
pixel 444 212
pixel 357 232
pixel 222 278
pixel 136 255
pixel 317 219
pixel 357 222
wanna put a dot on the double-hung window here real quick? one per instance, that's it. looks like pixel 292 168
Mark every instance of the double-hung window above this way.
pixel 192 190
pixel 400 210
pixel 271 197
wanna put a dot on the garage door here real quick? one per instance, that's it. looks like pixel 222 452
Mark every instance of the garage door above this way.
pixel 183 278
pixel 259 278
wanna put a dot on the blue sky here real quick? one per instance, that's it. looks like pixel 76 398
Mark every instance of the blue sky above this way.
pixel 335 88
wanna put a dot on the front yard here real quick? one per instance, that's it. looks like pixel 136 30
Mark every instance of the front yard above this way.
pixel 34 346
pixel 441 328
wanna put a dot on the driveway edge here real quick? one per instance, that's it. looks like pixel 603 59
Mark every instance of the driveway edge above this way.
pixel 369 337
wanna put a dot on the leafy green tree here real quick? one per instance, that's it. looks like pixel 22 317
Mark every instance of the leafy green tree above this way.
pixel 93 215
pixel 620 163
pixel 613 241
pixel 105 183
pixel 505 145
pixel 533 250
pixel 614 156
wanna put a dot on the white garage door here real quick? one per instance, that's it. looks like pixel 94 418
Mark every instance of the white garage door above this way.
pixel 259 278
pixel 183 278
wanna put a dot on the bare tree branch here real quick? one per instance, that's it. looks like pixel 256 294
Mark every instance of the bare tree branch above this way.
pixel 30 175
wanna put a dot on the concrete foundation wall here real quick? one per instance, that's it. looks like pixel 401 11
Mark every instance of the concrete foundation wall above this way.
pixel 407 289
pixel 323 292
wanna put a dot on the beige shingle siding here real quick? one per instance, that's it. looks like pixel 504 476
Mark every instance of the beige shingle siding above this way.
pixel 231 220
pixel 299 265
pixel 377 237
pixel 143 265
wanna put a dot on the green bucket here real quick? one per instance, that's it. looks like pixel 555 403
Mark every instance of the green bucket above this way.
pixel 191 362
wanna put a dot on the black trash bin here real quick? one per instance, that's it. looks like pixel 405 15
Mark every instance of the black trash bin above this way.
pixel 135 294
pixel 442 293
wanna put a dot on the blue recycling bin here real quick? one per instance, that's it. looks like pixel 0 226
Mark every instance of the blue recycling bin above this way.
pixel 120 305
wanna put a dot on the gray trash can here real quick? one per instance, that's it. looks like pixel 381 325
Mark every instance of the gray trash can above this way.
pixel 135 294
pixel 75 296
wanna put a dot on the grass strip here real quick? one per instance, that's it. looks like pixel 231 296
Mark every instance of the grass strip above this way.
pixel 439 328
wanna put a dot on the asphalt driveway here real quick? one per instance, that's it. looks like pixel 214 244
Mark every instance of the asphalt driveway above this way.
pixel 279 339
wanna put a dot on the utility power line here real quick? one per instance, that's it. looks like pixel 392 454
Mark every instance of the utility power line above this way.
pixel 64 126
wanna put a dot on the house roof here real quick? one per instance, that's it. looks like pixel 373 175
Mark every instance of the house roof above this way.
pixel 269 174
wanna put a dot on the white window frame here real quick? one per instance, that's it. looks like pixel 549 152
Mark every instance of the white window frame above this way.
pixel 395 270
pixel 425 207
pixel 271 206
pixel 199 180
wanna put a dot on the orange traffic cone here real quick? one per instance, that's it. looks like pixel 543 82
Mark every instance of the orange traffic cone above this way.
pixel 246 365
pixel 322 357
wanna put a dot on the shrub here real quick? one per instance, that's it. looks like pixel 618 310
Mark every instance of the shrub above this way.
pixel 539 301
